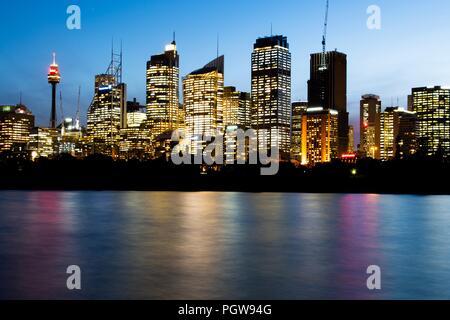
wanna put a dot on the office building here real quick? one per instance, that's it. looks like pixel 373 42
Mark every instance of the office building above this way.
pixel 397 133
pixel 203 103
pixel 135 139
pixel 319 136
pixel 370 110
pixel 42 143
pixel 327 88
pixel 107 114
pixel 236 108
pixel 16 123
pixel 163 78
pixel 271 94
pixel 432 107
pixel 298 109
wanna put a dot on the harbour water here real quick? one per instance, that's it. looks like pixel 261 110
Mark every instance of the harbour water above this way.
pixel 207 245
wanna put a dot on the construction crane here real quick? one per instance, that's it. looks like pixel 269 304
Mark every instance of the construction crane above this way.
pixel 323 64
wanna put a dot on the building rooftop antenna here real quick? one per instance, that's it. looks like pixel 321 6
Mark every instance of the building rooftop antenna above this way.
pixel 218 39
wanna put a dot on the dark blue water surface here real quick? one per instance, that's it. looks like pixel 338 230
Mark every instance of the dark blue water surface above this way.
pixel 163 245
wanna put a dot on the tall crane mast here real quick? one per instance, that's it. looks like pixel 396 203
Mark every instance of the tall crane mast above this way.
pixel 323 65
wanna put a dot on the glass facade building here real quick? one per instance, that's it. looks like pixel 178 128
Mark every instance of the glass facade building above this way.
pixel 432 106
pixel 163 79
pixel 319 136
pixel 236 108
pixel 271 94
pixel 370 111
pixel 16 123
pixel 203 92
pixel 107 114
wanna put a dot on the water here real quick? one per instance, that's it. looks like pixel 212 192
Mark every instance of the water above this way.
pixel 162 245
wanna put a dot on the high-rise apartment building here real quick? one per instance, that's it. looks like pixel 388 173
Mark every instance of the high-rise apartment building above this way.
pixel 271 94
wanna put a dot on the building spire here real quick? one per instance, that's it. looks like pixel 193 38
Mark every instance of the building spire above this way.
pixel 218 44
pixel 54 58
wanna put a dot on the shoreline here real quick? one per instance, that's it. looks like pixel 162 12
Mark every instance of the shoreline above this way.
pixel 417 176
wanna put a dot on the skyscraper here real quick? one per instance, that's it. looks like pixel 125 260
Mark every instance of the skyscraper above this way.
pixel 432 106
pixel 370 110
pixel 16 123
pixel 203 103
pixel 271 93
pixel 107 114
pixel 163 78
pixel 319 136
pixel 298 109
pixel 327 88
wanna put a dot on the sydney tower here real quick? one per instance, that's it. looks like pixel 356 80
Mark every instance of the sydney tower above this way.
pixel 54 77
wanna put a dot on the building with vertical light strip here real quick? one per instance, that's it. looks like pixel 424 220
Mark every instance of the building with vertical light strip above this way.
pixel 271 94
pixel 298 109
pixel 388 134
pixel 163 78
pixel 16 123
pixel 107 114
pixel 370 111
pixel 203 103
pixel 351 139
pixel 319 136
pixel 432 106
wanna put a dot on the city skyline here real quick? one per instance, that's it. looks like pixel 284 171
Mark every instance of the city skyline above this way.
pixel 78 68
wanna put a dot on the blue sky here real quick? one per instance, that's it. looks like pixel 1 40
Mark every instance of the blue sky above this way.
pixel 410 50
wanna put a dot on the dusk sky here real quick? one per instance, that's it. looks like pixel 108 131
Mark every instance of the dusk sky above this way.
pixel 410 50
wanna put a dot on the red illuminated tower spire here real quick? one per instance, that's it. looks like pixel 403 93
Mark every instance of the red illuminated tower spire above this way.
pixel 54 77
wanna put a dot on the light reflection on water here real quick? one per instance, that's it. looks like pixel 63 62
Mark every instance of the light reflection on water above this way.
pixel 162 245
